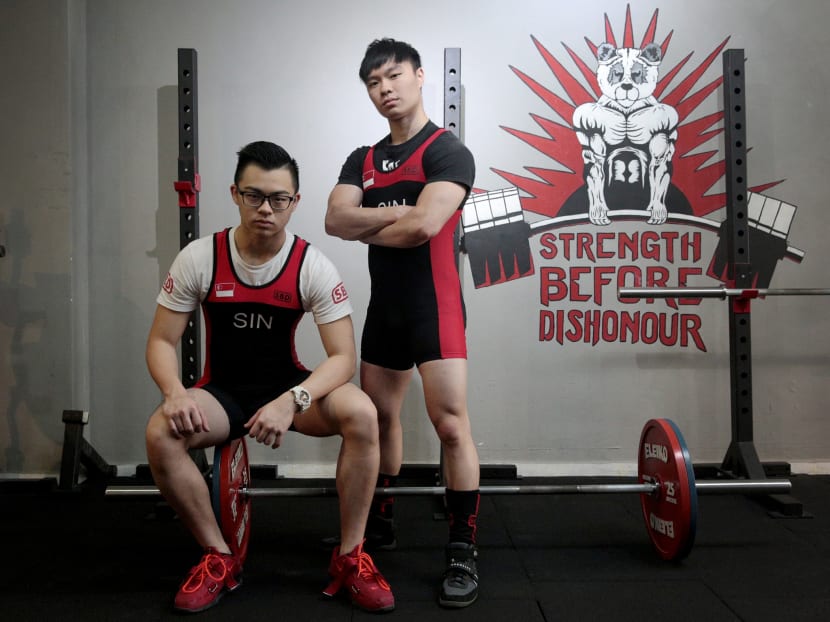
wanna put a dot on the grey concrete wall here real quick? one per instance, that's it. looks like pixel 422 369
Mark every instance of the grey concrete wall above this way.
pixel 36 347
pixel 92 159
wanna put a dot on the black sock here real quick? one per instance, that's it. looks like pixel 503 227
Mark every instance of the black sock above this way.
pixel 462 507
pixel 384 505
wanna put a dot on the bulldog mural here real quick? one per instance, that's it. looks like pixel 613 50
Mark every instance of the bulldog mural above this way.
pixel 627 136
pixel 633 197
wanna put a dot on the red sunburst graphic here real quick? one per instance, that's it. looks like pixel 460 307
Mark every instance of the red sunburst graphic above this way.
pixel 691 175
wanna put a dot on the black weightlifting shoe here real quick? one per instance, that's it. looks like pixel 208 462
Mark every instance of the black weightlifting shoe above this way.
pixel 460 586
pixel 379 534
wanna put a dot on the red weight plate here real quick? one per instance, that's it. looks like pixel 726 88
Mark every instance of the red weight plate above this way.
pixel 670 513
pixel 231 473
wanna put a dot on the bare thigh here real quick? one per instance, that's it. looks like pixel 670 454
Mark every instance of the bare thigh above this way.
pixel 217 421
pixel 445 388
pixel 329 415
pixel 386 387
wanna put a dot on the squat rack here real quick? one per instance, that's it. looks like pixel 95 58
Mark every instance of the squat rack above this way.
pixel 741 459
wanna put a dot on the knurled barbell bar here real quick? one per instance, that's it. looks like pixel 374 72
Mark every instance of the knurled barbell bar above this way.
pixel 710 487
pixel 666 485
pixel 716 292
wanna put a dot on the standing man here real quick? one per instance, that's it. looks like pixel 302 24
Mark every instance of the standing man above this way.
pixel 254 282
pixel 418 178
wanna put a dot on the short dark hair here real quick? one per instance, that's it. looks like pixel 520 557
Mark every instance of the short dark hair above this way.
pixel 381 51
pixel 268 156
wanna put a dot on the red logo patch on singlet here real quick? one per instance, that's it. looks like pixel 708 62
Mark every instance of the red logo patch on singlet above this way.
pixel 168 284
pixel 339 293
pixel 368 179
pixel 283 296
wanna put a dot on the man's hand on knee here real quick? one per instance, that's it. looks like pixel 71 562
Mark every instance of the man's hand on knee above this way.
pixel 185 416
pixel 271 422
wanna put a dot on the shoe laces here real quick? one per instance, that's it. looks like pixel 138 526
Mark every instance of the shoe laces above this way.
pixel 203 569
pixel 367 570
pixel 460 571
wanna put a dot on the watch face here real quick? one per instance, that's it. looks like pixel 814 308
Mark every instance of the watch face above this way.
pixel 301 398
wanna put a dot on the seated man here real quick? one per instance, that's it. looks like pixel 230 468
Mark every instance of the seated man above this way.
pixel 254 281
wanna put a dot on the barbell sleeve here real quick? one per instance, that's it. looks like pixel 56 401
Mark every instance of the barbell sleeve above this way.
pixel 716 292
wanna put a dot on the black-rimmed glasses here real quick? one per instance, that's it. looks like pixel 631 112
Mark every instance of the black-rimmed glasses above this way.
pixel 278 202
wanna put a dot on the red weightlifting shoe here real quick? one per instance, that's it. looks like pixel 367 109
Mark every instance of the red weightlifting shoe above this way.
pixel 357 574
pixel 208 581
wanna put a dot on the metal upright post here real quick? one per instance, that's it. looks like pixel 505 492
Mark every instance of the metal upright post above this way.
pixel 188 187
pixel 741 458
pixel 452 90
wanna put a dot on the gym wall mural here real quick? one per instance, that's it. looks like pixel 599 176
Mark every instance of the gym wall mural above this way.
pixel 631 196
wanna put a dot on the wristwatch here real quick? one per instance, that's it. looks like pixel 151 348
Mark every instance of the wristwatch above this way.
pixel 301 398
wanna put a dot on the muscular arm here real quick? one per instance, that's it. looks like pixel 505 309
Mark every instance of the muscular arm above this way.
pixel 168 327
pixel 436 204
pixel 346 219
pixel 180 409
pixel 341 358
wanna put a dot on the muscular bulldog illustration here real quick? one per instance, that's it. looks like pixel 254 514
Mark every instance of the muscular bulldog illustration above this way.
pixel 627 136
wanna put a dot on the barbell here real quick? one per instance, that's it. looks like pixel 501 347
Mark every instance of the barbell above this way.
pixel 717 292
pixel 666 485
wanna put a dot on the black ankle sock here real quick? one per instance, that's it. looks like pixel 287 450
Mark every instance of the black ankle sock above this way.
pixel 462 507
pixel 384 505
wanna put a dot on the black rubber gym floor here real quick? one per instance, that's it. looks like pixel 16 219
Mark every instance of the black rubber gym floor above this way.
pixel 543 558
